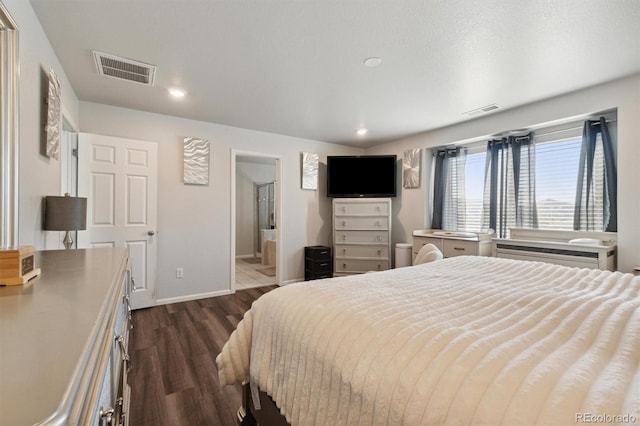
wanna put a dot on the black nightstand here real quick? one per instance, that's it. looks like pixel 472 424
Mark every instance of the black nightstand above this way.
pixel 318 263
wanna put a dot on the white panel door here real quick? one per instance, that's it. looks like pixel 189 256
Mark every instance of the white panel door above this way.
pixel 119 178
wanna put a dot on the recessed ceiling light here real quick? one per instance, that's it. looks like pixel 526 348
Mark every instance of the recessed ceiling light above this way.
pixel 372 62
pixel 177 93
pixel 361 131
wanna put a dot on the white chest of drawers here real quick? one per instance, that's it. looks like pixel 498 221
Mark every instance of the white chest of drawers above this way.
pixel 361 235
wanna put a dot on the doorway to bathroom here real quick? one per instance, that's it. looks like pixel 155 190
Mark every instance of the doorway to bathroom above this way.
pixel 255 252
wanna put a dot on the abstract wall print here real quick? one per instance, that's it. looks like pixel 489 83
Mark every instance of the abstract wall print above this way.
pixel 411 168
pixel 309 163
pixel 54 117
pixel 196 161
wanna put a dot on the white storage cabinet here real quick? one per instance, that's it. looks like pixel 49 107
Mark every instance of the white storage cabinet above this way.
pixel 361 235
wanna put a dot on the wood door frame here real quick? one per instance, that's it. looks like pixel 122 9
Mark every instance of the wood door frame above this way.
pixel 279 195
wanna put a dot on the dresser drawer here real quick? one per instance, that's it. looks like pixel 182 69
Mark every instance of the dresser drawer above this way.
pixel 370 251
pixel 370 208
pixel 317 253
pixel 318 271
pixel 362 237
pixel 360 265
pixel 365 223
pixel 419 242
pixel 453 248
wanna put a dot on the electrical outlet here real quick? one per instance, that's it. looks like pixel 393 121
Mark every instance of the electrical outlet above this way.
pixel 179 273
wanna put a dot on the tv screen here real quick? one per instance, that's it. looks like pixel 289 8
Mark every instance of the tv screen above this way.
pixel 361 176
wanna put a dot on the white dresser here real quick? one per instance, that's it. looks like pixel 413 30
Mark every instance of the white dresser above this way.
pixel 453 243
pixel 64 351
pixel 361 235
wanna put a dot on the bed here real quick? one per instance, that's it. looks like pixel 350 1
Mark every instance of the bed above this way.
pixel 463 340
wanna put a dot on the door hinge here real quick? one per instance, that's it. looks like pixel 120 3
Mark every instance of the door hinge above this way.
pixel 74 152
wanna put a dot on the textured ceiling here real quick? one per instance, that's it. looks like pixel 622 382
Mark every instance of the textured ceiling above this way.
pixel 296 67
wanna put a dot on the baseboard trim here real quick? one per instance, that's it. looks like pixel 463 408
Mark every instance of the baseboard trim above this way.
pixel 191 297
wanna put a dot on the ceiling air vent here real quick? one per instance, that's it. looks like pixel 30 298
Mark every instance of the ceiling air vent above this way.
pixel 482 110
pixel 124 69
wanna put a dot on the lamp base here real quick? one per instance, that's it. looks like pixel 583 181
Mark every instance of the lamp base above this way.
pixel 68 241
pixel 17 266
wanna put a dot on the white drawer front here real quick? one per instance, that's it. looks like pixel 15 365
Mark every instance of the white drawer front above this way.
pixel 367 237
pixel 419 242
pixel 346 250
pixel 360 265
pixel 346 222
pixel 365 208
pixel 459 248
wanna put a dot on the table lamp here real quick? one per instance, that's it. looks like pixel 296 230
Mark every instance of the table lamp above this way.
pixel 65 214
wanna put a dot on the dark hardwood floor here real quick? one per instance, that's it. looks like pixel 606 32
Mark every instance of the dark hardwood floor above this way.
pixel 173 376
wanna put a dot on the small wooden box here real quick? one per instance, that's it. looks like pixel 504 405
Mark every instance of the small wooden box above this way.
pixel 17 266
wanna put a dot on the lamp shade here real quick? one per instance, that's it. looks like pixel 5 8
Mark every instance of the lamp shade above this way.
pixel 65 213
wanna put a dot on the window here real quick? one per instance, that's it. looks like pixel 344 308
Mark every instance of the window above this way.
pixel 474 186
pixel 557 160
pixel 556 176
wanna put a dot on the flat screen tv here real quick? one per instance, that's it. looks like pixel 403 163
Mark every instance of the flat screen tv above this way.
pixel 357 176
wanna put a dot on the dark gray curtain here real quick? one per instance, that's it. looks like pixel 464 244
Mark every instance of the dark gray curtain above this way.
pixel 509 192
pixel 441 172
pixel 585 216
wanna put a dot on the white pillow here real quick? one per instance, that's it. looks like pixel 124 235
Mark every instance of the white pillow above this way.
pixel 427 253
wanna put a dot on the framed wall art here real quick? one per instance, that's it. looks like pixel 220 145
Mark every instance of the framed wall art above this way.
pixel 196 161
pixel 309 165
pixel 53 127
pixel 411 168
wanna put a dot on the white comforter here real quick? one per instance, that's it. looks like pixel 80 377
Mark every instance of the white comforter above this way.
pixel 466 340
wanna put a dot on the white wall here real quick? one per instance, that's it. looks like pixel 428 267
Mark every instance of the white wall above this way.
pixel 39 175
pixel 194 221
pixel 624 94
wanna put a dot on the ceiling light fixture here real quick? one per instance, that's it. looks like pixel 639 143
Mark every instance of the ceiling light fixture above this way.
pixel 177 93
pixel 361 131
pixel 372 62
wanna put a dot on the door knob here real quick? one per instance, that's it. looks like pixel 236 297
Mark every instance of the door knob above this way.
pixel 151 232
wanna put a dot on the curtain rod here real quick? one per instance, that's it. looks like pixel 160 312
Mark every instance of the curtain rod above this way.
pixel 482 141
pixel 552 132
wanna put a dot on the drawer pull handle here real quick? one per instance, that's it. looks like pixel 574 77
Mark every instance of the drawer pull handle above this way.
pixel 123 351
pixel 344 237
pixel 324 252
pixel 127 299
pixel 323 264
pixel 379 237
pixel 107 415
pixel 123 413
pixel 379 251
pixel 344 223
pixel 344 251
pixel 459 248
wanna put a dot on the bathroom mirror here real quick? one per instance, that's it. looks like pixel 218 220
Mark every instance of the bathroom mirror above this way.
pixel 8 130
